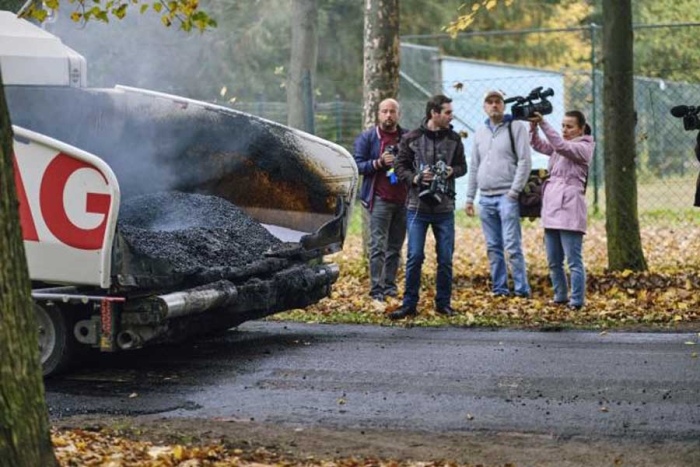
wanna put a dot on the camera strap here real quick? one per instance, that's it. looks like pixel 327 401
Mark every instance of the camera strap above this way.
pixel 512 141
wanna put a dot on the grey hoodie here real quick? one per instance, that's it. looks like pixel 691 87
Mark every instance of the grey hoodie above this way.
pixel 493 168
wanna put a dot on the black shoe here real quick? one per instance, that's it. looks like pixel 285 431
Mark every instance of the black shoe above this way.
pixel 574 307
pixel 445 310
pixel 377 296
pixel 391 293
pixel 403 312
pixel 523 295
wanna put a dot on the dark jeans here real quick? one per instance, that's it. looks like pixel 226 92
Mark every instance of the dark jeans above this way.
pixel 443 226
pixel 387 232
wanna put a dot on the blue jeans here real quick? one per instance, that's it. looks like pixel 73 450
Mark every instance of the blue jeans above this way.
pixel 443 225
pixel 500 221
pixel 561 244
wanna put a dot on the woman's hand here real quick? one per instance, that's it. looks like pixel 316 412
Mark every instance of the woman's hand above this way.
pixel 536 120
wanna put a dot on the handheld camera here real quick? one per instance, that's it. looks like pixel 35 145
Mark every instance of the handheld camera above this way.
pixel 438 187
pixel 525 107
pixel 689 114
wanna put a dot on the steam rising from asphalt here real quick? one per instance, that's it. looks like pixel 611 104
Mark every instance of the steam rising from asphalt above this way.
pixel 193 233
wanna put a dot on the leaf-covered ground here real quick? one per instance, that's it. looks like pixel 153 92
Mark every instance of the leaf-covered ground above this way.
pixel 106 448
pixel 665 296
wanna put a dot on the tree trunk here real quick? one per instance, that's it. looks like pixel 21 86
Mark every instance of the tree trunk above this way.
pixel 622 223
pixel 24 428
pixel 302 64
pixel 381 69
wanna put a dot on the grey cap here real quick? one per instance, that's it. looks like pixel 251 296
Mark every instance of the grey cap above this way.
pixel 495 93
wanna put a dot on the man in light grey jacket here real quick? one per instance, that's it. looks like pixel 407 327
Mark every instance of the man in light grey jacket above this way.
pixel 500 175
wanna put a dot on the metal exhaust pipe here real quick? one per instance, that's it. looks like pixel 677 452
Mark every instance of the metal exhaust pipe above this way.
pixel 128 340
pixel 196 300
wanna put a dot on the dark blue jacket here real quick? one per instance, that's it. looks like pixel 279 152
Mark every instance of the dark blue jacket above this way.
pixel 366 151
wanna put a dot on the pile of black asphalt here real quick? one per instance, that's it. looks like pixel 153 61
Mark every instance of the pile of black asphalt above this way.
pixel 195 234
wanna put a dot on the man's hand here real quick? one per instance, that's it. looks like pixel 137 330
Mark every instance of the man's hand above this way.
pixel 469 209
pixel 388 159
pixel 427 176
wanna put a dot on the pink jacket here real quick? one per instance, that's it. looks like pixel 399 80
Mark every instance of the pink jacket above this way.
pixel 564 198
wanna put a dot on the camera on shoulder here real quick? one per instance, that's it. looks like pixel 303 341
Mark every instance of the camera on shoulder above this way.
pixel 689 114
pixel 525 107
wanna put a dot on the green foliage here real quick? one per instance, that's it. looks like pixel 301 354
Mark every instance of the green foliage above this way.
pixel 658 52
pixel 248 52
pixel 184 12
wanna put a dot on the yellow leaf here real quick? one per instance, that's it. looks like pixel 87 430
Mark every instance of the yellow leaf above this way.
pixel 121 11
pixel 39 15
pixel 341 401
pixel 694 355
pixel 222 93
pixel 178 452
pixel 75 16
pixel 626 273
pixel 690 343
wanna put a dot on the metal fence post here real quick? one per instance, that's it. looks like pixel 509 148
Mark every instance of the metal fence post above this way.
pixel 338 119
pixel 308 96
pixel 594 126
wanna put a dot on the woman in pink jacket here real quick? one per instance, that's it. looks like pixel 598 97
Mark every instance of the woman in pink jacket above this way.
pixel 564 200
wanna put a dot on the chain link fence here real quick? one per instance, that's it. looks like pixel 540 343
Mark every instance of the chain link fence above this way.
pixel 666 166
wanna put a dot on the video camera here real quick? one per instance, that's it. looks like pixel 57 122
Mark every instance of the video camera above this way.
pixel 691 121
pixel 432 195
pixel 525 108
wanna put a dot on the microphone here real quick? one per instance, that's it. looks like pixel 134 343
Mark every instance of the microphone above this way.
pixel 679 110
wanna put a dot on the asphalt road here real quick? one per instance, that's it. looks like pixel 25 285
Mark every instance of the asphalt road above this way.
pixel 644 386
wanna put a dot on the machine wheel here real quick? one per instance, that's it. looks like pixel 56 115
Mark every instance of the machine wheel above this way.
pixel 57 345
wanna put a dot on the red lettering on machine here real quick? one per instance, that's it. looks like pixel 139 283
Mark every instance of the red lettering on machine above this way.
pixel 53 208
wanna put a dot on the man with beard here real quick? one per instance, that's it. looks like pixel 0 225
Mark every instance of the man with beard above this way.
pixel 420 153
pixel 384 197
